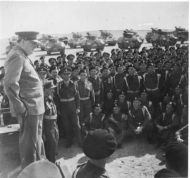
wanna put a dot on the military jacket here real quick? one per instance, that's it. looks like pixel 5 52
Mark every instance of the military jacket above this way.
pixel 22 84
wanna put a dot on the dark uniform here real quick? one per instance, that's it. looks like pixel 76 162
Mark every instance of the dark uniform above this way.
pixel 118 82
pixel 89 170
pixel 133 85
pixel 96 83
pixel 70 103
pixel 166 125
pixel 51 134
pixel 87 99
pixel 151 84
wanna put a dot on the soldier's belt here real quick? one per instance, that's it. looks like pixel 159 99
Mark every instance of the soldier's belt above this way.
pixel 154 89
pixel 131 91
pixel 84 99
pixel 67 100
pixel 50 117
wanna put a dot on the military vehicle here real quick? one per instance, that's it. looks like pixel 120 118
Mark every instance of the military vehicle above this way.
pixel 108 38
pixel 159 37
pixel 43 41
pixel 92 42
pixel 130 39
pixel 182 34
pixel 76 40
pixel 53 45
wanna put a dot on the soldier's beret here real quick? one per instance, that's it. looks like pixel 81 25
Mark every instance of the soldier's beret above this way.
pixel 65 70
pixel 40 169
pixel 97 105
pixel 99 144
pixel 122 93
pixel 28 35
pixel 70 57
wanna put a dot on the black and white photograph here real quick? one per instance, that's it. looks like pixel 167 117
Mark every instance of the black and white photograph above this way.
pixel 94 89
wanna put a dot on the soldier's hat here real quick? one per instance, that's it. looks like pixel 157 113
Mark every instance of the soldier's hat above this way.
pixel 82 71
pixel 28 35
pixel 49 84
pixel 99 144
pixel 42 70
pixel 70 57
pixel 51 59
pixel 40 169
pixel 65 70
pixel 97 105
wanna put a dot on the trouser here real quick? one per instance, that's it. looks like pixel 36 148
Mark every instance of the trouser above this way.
pixel 51 139
pixel 71 121
pixel 31 145
pixel 85 110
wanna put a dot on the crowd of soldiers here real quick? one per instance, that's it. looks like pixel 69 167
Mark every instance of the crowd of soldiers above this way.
pixel 127 92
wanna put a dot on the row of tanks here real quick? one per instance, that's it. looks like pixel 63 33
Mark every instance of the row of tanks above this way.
pixel 129 39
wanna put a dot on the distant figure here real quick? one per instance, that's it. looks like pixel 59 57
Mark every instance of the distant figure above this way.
pixel 98 146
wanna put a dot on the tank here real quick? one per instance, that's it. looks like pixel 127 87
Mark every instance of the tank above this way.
pixel 182 34
pixel 54 45
pixel 161 38
pixel 108 38
pixel 64 40
pixel 76 40
pixel 92 42
pixel 130 39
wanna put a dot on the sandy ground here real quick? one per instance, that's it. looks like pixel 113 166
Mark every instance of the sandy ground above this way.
pixel 135 159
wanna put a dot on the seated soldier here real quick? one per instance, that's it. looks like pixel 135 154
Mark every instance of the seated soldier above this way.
pixel 96 119
pixel 139 120
pixel 51 134
pixel 98 146
pixel 176 161
pixel 117 123
pixel 166 124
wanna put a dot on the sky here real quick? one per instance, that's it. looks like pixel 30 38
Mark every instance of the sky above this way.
pixel 65 17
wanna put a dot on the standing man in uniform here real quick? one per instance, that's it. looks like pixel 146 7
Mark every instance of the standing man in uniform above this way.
pixel 25 92
pixel 70 106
